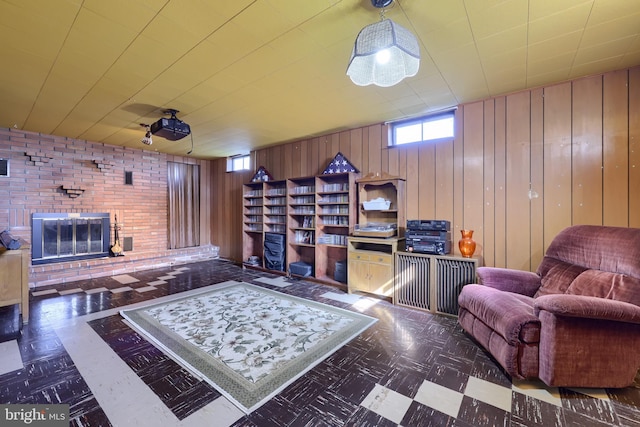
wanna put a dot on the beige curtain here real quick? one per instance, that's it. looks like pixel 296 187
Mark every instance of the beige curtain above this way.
pixel 184 205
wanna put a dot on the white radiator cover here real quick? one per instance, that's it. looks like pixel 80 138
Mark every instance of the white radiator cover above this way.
pixel 432 282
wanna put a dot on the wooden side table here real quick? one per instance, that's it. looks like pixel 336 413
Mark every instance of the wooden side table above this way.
pixel 14 279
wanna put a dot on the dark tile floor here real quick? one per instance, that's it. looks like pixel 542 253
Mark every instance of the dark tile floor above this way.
pixel 411 368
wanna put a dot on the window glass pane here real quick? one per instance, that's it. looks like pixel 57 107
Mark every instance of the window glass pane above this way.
pixel 426 128
pixel 408 133
pixel 237 163
pixel 436 129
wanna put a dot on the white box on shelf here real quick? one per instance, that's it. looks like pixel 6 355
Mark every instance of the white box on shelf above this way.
pixel 378 204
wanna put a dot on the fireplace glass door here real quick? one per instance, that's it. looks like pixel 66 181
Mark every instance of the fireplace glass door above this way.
pixel 57 238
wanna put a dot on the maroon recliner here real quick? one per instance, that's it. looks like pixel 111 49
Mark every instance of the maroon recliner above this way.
pixel 573 323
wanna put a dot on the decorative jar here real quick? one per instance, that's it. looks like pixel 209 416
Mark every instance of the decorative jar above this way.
pixel 467 245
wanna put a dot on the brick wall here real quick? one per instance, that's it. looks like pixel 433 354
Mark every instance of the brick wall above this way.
pixel 64 175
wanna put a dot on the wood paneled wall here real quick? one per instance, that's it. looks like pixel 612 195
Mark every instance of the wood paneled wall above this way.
pixel 521 168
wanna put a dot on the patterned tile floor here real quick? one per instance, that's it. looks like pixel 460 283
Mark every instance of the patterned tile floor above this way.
pixel 410 369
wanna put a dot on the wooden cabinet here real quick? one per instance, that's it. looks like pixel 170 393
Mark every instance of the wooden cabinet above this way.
pixel 432 282
pixel 14 279
pixel 386 187
pixel 371 264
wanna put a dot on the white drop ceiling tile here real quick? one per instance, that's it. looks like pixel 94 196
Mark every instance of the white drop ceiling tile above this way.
pixel 612 30
pixel 42 20
pixel 550 48
pixel 454 36
pixel 595 67
pixel 630 59
pixel 551 77
pixel 172 34
pixel 26 70
pixel 507 84
pixel 295 45
pixel 234 42
pixel 607 10
pixel 437 15
pixel 204 94
pixel 263 21
pixel 497 17
pixel 614 48
pixel 461 58
pixel 197 65
pixel 337 24
pixel 202 18
pixel 142 59
pixel 544 8
pixel 296 12
pixel 543 65
pixel 42 41
pixel 260 63
pixel 131 15
pixel 556 25
pixel 506 41
pixel 510 65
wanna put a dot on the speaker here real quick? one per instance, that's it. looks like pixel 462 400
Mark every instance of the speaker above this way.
pixel 127 244
pixel 274 251
pixel 128 178
pixel 4 167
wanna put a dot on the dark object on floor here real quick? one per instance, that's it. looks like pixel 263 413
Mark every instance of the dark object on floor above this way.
pixel 274 251
pixel 301 268
pixel 340 274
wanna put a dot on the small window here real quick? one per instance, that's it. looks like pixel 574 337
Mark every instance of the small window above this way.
pixel 238 163
pixel 427 128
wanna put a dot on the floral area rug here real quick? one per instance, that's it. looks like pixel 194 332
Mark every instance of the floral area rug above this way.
pixel 246 341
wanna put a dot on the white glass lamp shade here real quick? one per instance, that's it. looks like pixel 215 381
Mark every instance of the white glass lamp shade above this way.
pixel 400 53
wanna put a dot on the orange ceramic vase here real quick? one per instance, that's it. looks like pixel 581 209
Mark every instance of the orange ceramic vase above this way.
pixel 467 245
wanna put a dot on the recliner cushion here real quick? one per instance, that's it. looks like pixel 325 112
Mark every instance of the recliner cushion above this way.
pixel 508 314
pixel 602 284
pixel 556 276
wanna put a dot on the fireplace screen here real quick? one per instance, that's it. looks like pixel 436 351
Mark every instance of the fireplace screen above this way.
pixel 65 237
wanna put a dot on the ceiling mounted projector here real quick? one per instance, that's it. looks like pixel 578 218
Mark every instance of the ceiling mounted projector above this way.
pixel 172 128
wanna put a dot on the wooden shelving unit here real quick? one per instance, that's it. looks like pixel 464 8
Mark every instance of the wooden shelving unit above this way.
pixel 336 214
pixel 301 220
pixel 316 214
pixel 389 188
pixel 275 207
pixel 370 256
pixel 253 221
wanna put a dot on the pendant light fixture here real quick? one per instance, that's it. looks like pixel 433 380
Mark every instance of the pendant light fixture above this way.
pixel 384 53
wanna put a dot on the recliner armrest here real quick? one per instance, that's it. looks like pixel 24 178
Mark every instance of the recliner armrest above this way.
pixel 588 307
pixel 509 280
